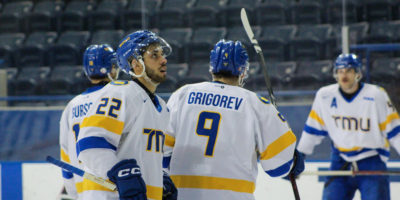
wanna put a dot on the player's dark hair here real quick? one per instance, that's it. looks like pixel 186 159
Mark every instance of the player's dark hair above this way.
pixel 224 74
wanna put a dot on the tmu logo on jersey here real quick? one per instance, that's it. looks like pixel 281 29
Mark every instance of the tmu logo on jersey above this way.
pixel 159 139
pixel 352 123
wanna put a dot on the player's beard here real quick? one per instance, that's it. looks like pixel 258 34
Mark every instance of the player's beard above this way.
pixel 152 74
pixel 348 84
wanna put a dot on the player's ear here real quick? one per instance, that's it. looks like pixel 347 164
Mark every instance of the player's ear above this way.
pixel 136 66
pixel 133 63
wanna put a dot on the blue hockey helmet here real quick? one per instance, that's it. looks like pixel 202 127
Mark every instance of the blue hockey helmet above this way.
pixel 98 60
pixel 135 44
pixel 348 61
pixel 229 56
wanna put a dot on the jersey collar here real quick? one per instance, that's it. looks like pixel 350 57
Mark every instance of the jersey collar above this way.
pixel 93 89
pixel 219 82
pixel 151 95
pixel 350 97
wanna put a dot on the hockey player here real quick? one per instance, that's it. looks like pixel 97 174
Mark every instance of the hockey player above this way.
pixel 361 122
pixel 100 67
pixel 218 130
pixel 122 136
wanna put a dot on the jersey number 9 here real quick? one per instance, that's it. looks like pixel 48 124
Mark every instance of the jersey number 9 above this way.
pixel 208 125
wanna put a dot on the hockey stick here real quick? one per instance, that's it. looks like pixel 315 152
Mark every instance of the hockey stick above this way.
pixel 254 42
pixel 351 173
pixel 257 48
pixel 82 173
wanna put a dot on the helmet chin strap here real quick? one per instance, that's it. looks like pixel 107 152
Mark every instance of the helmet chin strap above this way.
pixel 140 75
pixel 241 80
pixel 243 76
pixel 111 78
pixel 144 74
pixel 116 76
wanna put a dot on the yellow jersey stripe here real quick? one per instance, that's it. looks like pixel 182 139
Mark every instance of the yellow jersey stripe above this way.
pixel 389 119
pixel 108 123
pixel 169 140
pixel 213 183
pixel 278 145
pixel 154 192
pixel 348 150
pixel 64 156
pixel 387 144
pixel 86 185
pixel 314 115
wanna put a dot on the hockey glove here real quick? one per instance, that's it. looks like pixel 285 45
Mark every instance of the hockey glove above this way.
pixel 298 166
pixel 169 192
pixel 128 178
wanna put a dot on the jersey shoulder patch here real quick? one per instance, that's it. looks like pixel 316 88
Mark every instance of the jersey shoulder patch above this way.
pixel 119 83
pixel 263 99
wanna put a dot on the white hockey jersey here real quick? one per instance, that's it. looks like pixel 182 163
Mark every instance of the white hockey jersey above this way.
pixel 71 119
pixel 123 124
pixel 359 128
pixel 215 136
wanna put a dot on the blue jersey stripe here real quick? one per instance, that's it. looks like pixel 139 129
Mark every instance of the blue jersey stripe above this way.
pixel 314 131
pixel 93 142
pixel 166 161
pixel 394 132
pixel 280 170
pixel 382 152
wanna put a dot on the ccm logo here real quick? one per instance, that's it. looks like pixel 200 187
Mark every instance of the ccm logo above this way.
pixel 126 172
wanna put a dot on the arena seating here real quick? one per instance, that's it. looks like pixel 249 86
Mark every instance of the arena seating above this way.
pixel 271 13
pixel 8 43
pixel 33 50
pixel 238 33
pixel 11 17
pixel 274 40
pixel 206 13
pixel 178 38
pixel 111 37
pixel 48 34
pixel 74 17
pixel 179 71
pixel 106 15
pixel 310 42
pixel 68 49
pixel 43 16
pixel 132 16
pixel 335 14
pixel 65 80
pixel 29 80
